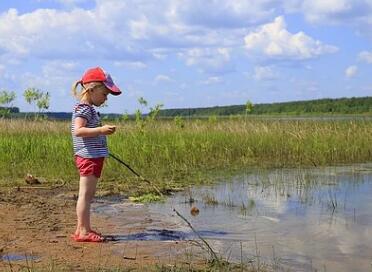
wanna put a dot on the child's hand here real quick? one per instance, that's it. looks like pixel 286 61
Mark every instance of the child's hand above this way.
pixel 107 129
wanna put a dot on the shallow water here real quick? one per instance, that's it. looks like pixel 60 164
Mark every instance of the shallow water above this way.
pixel 303 219
pixel 17 257
pixel 317 219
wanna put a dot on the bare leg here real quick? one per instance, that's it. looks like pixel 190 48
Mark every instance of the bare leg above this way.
pixel 87 189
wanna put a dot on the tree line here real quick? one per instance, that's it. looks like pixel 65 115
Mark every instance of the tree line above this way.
pixel 353 105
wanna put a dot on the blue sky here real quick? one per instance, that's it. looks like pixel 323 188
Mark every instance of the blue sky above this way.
pixel 188 53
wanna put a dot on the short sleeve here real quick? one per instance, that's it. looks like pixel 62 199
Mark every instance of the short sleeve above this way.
pixel 84 111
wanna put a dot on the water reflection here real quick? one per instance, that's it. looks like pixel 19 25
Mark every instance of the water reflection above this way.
pixel 305 219
pixel 18 257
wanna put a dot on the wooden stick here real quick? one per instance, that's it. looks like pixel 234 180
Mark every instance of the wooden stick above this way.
pixel 134 172
pixel 214 255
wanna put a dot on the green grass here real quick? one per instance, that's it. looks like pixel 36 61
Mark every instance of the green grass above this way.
pixel 146 198
pixel 171 154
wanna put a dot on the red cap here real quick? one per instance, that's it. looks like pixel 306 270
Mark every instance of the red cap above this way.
pixel 97 74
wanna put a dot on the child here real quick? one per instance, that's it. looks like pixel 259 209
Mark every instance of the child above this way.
pixel 89 141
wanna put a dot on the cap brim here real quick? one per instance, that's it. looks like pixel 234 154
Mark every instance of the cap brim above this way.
pixel 114 90
pixel 109 83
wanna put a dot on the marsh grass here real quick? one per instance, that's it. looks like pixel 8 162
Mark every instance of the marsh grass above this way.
pixel 210 199
pixel 173 155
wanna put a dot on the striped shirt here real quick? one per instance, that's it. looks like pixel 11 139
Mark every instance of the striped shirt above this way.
pixel 88 147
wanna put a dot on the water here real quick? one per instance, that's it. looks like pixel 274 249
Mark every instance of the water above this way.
pixel 317 219
pixel 17 257
pixel 305 220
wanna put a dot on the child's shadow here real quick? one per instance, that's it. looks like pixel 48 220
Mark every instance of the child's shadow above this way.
pixel 162 235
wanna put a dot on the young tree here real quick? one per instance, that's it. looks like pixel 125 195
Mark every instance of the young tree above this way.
pixel 151 116
pixel 6 99
pixel 31 95
pixel 43 102
pixel 154 111
pixel 139 121
pixel 248 107
pixel 40 98
pixel 142 101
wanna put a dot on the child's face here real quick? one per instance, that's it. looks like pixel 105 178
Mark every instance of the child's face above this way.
pixel 99 95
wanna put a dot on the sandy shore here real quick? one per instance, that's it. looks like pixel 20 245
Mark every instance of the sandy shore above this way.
pixel 36 224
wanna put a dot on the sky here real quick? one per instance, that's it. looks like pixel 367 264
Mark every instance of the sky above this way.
pixel 188 53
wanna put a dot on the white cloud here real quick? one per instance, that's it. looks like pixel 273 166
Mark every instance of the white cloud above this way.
pixel 67 3
pixel 212 80
pixel 29 34
pixel 351 71
pixel 133 30
pixel 221 13
pixel 131 64
pixel 139 28
pixel 305 88
pixel 148 30
pixel 208 59
pixel 72 2
pixel 365 56
pixel 162 78
pixel 318 10
pixel 97 33
pixel 355 13
pixel 292 6
pixel 273 40
pixel 264 73
pixel 53 75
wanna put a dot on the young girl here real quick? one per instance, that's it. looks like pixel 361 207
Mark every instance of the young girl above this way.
pixel 89 141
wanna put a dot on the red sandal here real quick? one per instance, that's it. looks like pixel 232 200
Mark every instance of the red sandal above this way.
pixel 96 232
pixel 90 237
pixel 76 234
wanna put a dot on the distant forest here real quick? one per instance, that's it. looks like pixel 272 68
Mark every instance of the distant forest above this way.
pixel 9 109
pixel 354 105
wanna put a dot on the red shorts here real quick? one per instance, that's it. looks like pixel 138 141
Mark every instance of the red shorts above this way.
pixel 89 166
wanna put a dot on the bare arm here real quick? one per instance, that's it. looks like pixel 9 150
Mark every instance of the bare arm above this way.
pixel 82 131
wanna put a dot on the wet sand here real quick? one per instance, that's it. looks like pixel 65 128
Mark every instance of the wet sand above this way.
pixel 36 224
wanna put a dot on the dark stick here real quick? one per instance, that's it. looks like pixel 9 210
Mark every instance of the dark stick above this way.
pixel 134 172
pixel 214 255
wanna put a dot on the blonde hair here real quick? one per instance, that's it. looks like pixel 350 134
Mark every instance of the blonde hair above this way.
pixel 83 93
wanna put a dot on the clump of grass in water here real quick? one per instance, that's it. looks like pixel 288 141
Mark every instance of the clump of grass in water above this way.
pixel 210 199
pixel 146 198
pixel 246 208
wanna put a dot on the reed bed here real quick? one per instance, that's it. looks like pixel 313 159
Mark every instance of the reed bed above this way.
pixel 165 149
